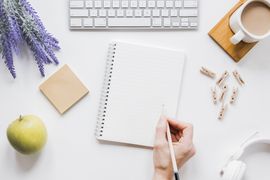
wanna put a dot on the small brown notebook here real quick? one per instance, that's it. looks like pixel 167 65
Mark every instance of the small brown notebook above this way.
pixel 63 89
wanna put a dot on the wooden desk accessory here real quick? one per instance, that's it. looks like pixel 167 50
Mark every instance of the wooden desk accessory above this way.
pixel 221 90
pixel 222 33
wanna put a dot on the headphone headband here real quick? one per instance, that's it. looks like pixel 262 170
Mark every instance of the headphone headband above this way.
pixel 241 151
pixel 257 141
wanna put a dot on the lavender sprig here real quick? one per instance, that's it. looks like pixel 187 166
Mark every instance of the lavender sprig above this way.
pixel 7 40
pixel 19 25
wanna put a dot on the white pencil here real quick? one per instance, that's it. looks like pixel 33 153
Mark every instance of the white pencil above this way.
pixel 175 169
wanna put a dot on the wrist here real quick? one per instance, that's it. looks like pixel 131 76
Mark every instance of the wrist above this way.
pixel 162 174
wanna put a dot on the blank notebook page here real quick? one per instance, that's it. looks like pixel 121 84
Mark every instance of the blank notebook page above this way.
pixel 142 80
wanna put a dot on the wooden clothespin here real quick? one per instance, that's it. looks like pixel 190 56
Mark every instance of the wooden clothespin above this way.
pixel 234 95
pixel 222 78
pixel 214 95
pixel 222 111
pixel 238 78
pixel 223 93
pixel 207 72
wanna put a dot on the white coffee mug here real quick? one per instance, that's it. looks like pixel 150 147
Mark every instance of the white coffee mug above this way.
pixel 241 33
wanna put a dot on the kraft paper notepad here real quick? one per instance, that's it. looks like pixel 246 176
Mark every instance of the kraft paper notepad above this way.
pixel 63 89
pixel 139 80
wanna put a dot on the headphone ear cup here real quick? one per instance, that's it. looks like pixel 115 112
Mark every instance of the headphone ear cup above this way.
pixel 234 171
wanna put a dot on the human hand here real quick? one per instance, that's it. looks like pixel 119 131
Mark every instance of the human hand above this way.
pixel 182 135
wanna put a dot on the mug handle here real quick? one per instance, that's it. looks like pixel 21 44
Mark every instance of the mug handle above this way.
pixel 239 36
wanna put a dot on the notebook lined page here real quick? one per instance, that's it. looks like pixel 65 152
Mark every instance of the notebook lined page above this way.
pixel 143 79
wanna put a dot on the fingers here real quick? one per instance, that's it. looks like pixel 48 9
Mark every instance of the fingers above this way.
pixel 161 130
pixel 185 128
pixel 178 124
pixel 184 135
pixel 181 134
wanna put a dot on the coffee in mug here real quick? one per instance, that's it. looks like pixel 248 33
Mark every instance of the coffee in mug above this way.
pixel 251 21
pixel 256 18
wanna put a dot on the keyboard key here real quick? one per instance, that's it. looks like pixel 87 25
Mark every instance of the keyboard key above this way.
pixel 184 19
pixel 75 22
pixel 147 12
pixel 97 4
pixel 124 4
pixel 116 4
pixel 76 4
pixel 166 22
pixel 190 4
pixel 164 12
pixel 120 12
pixel 156 12
pixel 102 13
pixel 174 12
pixel 87 22
pixel 175 22
pixel 169 4
pixel 129 13
pixel 111 12
pixel 160 4
pixel 107 3
pixel 88 4
pixel 178 3
pixel 138 12
pixel 100 22
pixel 133 4
pixel 151 4
pixel 193 24
pixel 93 12
pixel 184 24
pixel 126 22
pixel 189 12
pixel 79 13
pixel 142 3
pixel 156 22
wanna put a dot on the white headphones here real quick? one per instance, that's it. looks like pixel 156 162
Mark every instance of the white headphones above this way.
pixel 235 169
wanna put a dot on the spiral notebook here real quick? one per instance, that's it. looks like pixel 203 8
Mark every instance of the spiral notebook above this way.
pixel 138 81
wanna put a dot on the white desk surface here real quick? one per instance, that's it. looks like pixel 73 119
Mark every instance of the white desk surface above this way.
pixel 72 151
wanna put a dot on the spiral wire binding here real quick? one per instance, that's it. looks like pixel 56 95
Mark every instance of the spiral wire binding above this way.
pixel 105 90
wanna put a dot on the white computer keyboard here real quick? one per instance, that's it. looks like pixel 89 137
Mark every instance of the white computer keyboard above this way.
pixel 133 14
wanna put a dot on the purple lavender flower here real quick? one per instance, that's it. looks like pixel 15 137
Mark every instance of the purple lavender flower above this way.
pixel 49 39
pixel 14 34
pixel 20 24
pixel 7 40
pixel 7 54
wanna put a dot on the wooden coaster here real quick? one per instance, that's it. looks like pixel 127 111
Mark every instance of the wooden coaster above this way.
pixel 222 33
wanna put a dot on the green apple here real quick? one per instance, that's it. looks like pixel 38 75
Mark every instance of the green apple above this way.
pixel 27 134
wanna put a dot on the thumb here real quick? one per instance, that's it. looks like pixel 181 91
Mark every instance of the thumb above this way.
pixel 161 130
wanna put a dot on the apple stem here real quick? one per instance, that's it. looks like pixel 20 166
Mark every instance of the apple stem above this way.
pixel 20 118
